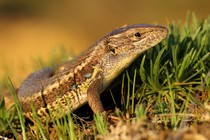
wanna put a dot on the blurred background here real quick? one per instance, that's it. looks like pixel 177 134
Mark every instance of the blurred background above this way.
pixel 31 29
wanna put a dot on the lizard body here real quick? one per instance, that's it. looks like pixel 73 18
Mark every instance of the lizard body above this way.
pixel 83 80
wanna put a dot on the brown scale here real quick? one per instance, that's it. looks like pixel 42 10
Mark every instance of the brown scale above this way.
pixel 26 107
pixel 42 112
pixel 67 85
pixel 86 72
pixel 63 101
pixel 38 104
pixel 50 96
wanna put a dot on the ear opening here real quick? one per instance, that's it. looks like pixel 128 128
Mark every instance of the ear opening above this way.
pixel 112 49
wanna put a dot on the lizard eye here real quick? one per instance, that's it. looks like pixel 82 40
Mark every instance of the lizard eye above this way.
pixel 137 34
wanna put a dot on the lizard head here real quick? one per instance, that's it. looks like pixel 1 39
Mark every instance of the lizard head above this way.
pixel 135 39
pixel 125 44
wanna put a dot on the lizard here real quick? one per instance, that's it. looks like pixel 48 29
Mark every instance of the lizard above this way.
pixel 73 84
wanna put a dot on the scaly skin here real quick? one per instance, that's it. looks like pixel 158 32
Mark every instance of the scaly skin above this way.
pixel 74 84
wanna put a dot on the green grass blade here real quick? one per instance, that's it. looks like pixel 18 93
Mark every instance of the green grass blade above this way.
pixel 17 106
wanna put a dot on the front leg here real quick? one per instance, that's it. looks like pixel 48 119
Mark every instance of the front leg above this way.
pixel 93 96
